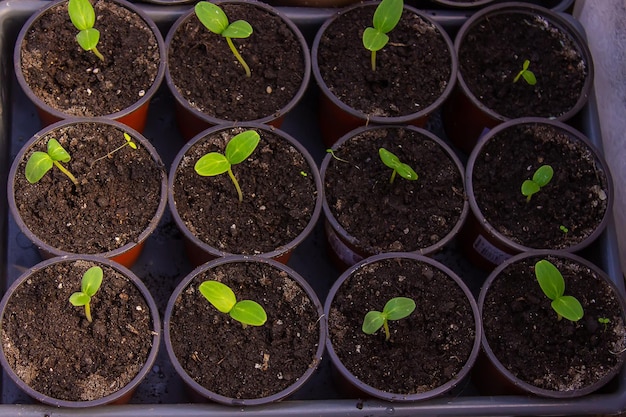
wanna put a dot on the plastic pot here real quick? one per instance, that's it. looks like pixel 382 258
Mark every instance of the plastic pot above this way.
pixel 466 117
pixel 292 310
pixel 134 116
pixel 336 117
pixel 485 244
pixel 36 276
pixel 491 373
pixel 125 254
pixel 191 120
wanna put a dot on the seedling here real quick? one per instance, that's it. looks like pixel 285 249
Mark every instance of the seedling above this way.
pixel 553 286
pixel 83 17
pixel 526 74
pixel 541 178
pixel 332 153
pixel 92 279
pixel 129 142
pixel 395 309
pixel 214 19
pixel 40 163
pixel 247 312
pixel 563 229
pixel 237 150
pixel 393 162
pixel 605 321
pixel 386 17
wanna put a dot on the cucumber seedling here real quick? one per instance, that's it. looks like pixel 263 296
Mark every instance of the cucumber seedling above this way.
pixel 222 297
pixel 553 286
pixel 90 284
pixel 541 178
pixel 129 142
pixel 386 17
pixel 83 17
pixel 395 309
pixel 40 163
pixel 526 74
pixel 393 162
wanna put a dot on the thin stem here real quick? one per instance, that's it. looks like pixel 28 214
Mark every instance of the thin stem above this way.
pixel 373 60
pixel 393 177
pixel 110 153
pixel 386 327
pixel 232 177
pixel 98 54
pixel 88 312
pixel 239 58
pixel 66 172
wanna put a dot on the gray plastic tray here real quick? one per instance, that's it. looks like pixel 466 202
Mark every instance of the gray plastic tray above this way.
pixel 163 263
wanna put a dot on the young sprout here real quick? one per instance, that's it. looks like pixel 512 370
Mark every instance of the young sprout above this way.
pixel 527 74
pixel 128 142
pixel 247 312
pixel 395 309
pixel 40 163
pixel 332 153
pixel 394 163
pixel 553 286
pixel 92 279
pixel 386 17
pixel 604 320
pixel 563 229
pixel 83 17
pixel 237 150
pixel 214 19
pixel 541 178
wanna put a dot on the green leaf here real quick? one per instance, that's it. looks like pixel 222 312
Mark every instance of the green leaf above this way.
pixel 211 164
pixel 543 175
pixel 219 295
pixel 568 307
pixel 529 187
pixel 88 38
pixel 387 15
pixel 79 299
pixel 529 76
pixel 238 30
pixel 81 14
pixel 241 146
pixel 249 312
pixel 92 279
pixel 388 158
pixel 37 165
pixel 550 279
pixel 57 152
pixel 398 308
pixel 406 172
pixel 374 40
pixel 373 321
pixel 212 17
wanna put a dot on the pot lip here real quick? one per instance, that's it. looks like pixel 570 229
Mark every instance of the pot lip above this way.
pixel 336 225
pixel 395 397
pixel 113 116
pixel 276 252
pixel 384 119
pixel 212 120
pixel 246 401
pixel 462 5
pixel 150 227
pixel 574 134
pixel 486 348
pixel 156 333
pixel 562 23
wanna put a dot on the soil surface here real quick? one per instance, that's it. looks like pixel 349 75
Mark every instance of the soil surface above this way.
pixel 252 362
pixel 493 52
pixel 279 196
pixel 527 338
pixel 77 82
pixel 205 71
pixel 54 349
pixel 575 198
pixel 114 203
pixel 426 350
pixel 404 216
pixel 411 73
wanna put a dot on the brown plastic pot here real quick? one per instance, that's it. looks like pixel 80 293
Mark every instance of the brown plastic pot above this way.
pixel 304 296
pixel 127 254
pixel 199 251
pixel 124 394
pixel 342 316
pixel 336 117
pixel 465 117
pixel 134 116
pixel 493 378
pixel 190 120
pixel 486 246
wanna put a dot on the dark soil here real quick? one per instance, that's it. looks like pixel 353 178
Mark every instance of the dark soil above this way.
pixel 576 197
pixel 411 73
pixel 205 71
pixel 75 81
pixel 523 331
pixel 493 52
pixel 426 350
pixel 404 216
pixel 54 349
pixel 252 362
pixel 278 199
pixel 114 203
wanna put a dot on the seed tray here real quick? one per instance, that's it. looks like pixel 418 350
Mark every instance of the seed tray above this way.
pixel 163 263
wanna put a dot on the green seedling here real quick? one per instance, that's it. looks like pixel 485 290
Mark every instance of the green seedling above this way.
pixel 40 163
pixel 215 20
pixel 526 74
pixel 393 162
pixel 92 279
pixel 395 309
pixel 386 17
pixel 83 17
pixel 129 142
pixel 237 150
pixel 563 229
pixel 553 286
pixel 332 153
pixel 605 321
pixel 247 312
pixel 541 178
